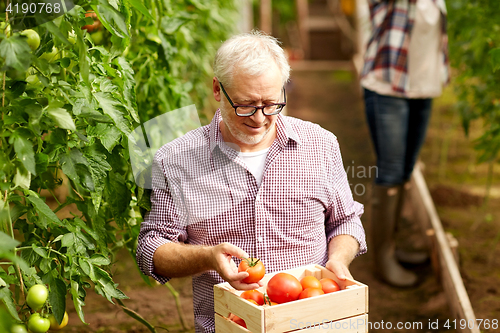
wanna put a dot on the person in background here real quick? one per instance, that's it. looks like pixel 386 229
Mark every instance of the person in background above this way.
pixel 251 182
pixel 405 66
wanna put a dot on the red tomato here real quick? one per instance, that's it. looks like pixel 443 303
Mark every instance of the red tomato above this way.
pixel 94 26
pixel 310 282
pixel 283 288
pixel 254 267
pixel 311 292
pixel 329 286
pixel 255 295
pixel 237 320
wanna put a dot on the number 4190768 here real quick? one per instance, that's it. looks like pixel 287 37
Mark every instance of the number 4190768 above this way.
pixel 34 8
pixel 471 323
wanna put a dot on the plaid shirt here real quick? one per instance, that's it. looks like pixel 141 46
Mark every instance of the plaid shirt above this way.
pixel 387 50
pixel 204 194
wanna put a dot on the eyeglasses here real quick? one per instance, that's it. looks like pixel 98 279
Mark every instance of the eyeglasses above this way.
pixel 249 110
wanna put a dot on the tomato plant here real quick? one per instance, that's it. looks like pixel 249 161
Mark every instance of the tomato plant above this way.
pixel 37 296
pixel 38 324
pixel 54 325
pixel 255 295
pixel 283 288
pixel 66 114
pixel 329 285
pixel 310 282
pixel 254 267
pixel 311 292
pixel 474 50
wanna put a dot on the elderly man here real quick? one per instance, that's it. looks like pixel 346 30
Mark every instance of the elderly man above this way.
pixel 251 182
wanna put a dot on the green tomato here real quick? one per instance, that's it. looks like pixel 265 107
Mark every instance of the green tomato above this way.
pixel 37 296
pixel 38 324
pixel 18 328
pixel 5 28
pixel 97 37
pixel 54 325
pixel 51 56
pixel 33 38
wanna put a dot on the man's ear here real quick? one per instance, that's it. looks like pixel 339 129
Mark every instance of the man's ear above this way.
pixel 216 89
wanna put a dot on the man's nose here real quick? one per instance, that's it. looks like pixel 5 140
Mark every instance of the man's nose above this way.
pixel 258 117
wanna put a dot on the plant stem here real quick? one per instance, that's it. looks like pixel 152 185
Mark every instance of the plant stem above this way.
pixel 177 304
pixel 11 232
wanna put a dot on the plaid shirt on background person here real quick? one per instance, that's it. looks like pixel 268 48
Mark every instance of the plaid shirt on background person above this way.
pixel 387 50
pixel 203 194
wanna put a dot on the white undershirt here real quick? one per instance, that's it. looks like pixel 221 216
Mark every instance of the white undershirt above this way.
pixel 255 162
pixel 425 64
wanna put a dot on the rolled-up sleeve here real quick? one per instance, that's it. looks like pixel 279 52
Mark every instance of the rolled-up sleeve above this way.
pixel 343 215
pixel 163 224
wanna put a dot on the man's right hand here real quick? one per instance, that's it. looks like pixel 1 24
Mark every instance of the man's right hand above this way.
pixel 224 265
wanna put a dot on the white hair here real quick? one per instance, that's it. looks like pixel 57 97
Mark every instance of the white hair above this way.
pixel 251 53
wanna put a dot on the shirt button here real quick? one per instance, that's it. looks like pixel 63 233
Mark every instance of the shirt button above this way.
pixel 257 197
pixel 260 239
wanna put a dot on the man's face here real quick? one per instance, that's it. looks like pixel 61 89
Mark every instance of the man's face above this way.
pixel 257 131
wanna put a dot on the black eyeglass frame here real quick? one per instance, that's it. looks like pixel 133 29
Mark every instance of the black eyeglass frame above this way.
pixel 280 108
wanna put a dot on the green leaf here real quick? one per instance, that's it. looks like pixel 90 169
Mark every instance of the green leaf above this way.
pixel 57 298
pixel 7 243
pixel 22 178
pixel 55 31
pixel 495 59
pixel 128 86
pixel 107 286
pixel 111 18
pixel 16 52
pixel 99 260
pixel 67 240
pixel 75 166
pixel 108 134
pixel 40 251
pixel 77 301
pixel 6 296
pixel 61 117
pixel 137 4
pixel 109 107
pixel 24 148
pixel 171 24
pixel 43 209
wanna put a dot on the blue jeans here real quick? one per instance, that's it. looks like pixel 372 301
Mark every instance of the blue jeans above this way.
pixel 397 128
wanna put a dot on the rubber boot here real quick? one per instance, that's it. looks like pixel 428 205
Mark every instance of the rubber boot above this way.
pixel 383 229
pixel 407 257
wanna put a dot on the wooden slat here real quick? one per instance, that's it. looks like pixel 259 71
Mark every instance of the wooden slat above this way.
pixel 453 285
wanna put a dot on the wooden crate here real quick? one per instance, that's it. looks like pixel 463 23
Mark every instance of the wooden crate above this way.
pixel 343 311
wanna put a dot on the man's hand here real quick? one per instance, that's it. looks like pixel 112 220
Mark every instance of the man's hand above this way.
pixel 341 251
pixel 339 269
pixel 224 265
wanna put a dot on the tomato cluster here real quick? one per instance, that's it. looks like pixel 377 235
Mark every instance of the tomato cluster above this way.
pixel 284 287
pixel 39 322
pixel 281 288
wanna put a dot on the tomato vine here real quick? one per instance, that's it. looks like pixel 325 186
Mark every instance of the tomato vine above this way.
pixel 68 106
